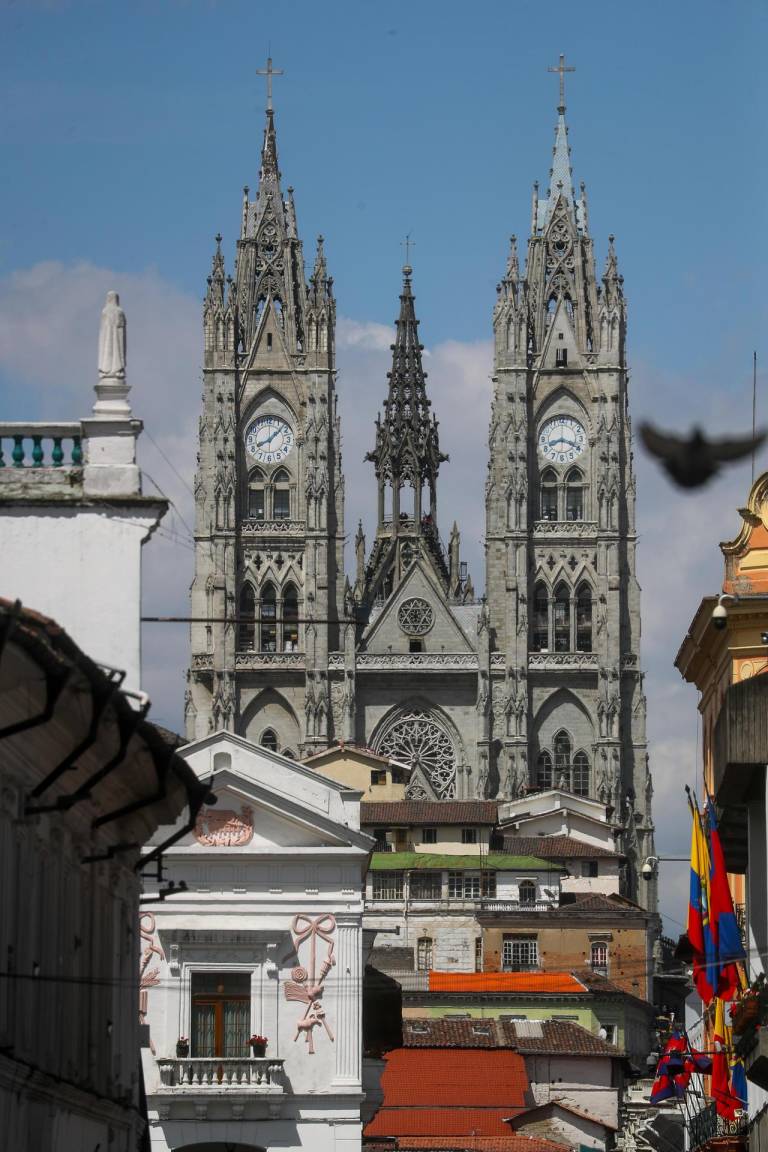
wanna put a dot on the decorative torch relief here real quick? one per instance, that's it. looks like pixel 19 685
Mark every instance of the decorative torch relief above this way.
pixel 307 985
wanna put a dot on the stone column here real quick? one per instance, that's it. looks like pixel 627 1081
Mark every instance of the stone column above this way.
pixel 347 1026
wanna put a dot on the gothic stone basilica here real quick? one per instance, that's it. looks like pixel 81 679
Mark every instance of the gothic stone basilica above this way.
pixel 536 686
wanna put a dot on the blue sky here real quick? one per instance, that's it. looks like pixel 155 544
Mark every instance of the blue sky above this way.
pixel 128 130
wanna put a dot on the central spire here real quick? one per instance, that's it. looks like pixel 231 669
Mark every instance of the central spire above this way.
pixel 560 174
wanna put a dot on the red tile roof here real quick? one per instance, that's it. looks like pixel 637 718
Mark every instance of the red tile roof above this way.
pixel 556 848
pixel 558 1037
pixel 547 983
pixel 449 1091
pixel 513 1142
pixel 395 813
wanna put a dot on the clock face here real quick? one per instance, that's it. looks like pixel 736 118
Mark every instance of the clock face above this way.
pixel 269 439
pixel 562 439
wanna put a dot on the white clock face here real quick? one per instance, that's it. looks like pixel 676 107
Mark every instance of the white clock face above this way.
pixel 269 439
pixel 562 439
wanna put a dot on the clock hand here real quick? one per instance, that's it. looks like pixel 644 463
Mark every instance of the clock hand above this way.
pixel 269 439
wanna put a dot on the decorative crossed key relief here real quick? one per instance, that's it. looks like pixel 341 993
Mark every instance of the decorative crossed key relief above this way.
pixel 306 984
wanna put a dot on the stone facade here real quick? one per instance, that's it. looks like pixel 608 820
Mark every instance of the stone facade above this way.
pixel 539 684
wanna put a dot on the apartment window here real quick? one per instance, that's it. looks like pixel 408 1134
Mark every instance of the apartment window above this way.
pixel 388 885
pixel 469 835
pixel 527 892
pixel 519 953
pixel 426 885
pixel 478 953
pixel 221 1014
pixel 424 954
pixel 610 1033
pixel 598 958
pixel 378 776
pixel 471 885
pixel 380 836
pixel 429 836
pixel 589 868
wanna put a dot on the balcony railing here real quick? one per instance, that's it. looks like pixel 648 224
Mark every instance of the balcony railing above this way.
pixel 262 1074
pixel 34 445
pixel 517 905
pixel 707 1125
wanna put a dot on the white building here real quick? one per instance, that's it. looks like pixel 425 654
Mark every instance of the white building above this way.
pixel 71 499
pixel 267 940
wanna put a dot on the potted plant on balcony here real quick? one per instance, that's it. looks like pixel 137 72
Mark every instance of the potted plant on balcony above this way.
pixel 747 1012
pixel 258 1045
pixel 182 1047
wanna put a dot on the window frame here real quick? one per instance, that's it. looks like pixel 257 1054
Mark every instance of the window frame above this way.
pixel 425 950
pixel 469 836
pixel 390 885
pixel 514 941
pixel 218 1001
pixel 429 879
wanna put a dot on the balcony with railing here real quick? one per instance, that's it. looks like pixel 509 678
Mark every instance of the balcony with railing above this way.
pixel 192 1075
pixel 503 907
pixel 708 1131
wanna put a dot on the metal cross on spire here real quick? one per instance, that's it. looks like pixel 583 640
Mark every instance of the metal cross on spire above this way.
pixel 561 68
pixel 269 72
pixel 408 244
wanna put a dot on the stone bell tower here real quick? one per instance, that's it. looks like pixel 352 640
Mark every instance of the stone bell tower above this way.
pixel 268 585
pixel 563 597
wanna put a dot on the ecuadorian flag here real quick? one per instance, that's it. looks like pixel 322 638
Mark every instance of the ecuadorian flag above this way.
pixel 725 928
pixel 699 926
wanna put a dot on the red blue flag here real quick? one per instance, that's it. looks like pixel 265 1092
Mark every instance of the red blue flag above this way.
pixel 724 926
pixel 699 927
pixel 729 1082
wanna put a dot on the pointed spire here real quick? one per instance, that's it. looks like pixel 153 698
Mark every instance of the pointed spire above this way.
pixel 215 293
pixel 320 272
pixel 513 266
pixel 269 168
pixel 407 442
pixel 612 281
pixel 560 175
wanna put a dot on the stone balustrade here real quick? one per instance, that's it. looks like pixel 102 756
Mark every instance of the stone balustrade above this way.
pixel 261 1073
pixel 40 445
pixel 505 906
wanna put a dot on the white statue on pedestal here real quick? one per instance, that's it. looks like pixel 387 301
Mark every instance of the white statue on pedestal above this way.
pixel 112 346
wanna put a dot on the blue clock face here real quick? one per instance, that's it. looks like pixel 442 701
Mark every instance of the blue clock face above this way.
pixel 562 439
pixel 269 439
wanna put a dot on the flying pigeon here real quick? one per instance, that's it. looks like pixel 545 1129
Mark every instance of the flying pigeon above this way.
pixel 694 461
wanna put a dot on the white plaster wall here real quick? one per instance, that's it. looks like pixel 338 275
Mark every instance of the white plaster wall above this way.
pixel 82 567
pixel 561 822
pixel 289 1135
pixel 607 881
pixel 581 1082
pixel 508 885
pixel 449 842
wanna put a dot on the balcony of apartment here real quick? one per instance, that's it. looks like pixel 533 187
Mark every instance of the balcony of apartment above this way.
pixel 192 1076
pixel 709 1132
pixel 740 749
pixel 506 907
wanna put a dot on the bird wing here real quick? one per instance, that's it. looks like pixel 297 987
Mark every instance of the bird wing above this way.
pixel 735 449
pixel 661 444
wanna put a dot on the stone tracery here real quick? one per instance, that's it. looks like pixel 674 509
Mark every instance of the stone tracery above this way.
pixel 416 738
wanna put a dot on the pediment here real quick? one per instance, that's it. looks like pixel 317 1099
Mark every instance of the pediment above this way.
pixel 561 337
pixel 443 633
pixel 266 802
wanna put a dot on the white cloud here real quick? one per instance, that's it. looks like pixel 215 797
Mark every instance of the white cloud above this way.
pixel 49 318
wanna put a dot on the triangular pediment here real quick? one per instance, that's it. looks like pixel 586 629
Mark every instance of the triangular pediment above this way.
pixel 268 350
pixel 266 803
pixel 435 626
pixel 560 341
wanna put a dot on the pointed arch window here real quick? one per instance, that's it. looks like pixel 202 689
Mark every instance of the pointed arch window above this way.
pixel 581 774
pixel 584 618
pixel 256 491
pixel 562 618
pixel 268 619
pixel 562 750
pixel 269 740
pixel 574 495
pixel 540 618
pixel 543 771
pixel 281 495
pixel 247 627
pixel 290 619
pixel 549 494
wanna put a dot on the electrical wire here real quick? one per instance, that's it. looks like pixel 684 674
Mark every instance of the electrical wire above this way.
pixel 170 463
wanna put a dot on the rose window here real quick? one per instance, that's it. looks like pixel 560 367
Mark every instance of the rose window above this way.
pixel 417 739
pixel 415 616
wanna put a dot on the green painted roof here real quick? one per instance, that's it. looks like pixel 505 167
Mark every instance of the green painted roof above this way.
pixel 489 861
